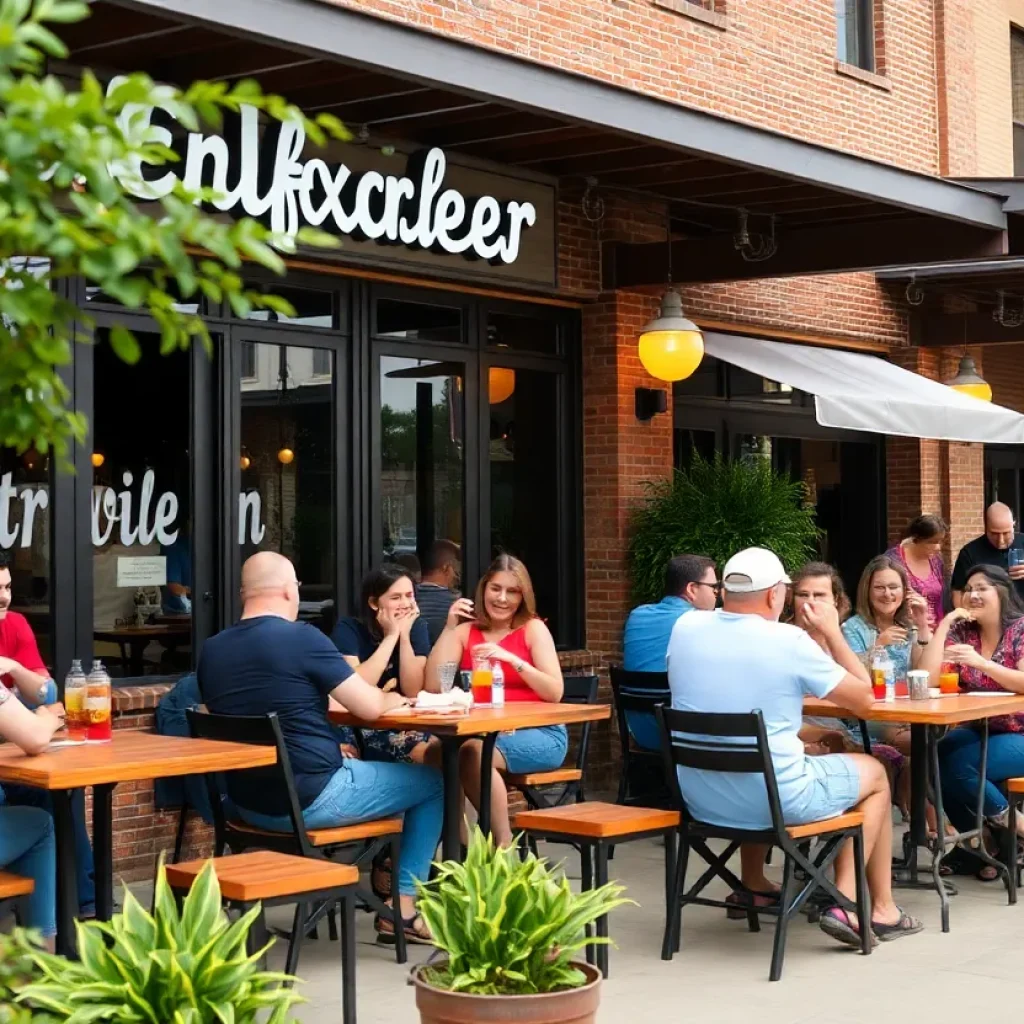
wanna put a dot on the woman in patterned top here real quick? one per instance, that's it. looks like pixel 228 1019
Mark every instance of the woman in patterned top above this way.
pixel 985 637
pixel 920 553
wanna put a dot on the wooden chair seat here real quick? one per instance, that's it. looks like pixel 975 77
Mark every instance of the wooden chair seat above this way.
pixel 263 875
pixel 14 886
pixel 851 819
pixel 1015 785
pixel 544 778
pixel 333 836
pixel 596 820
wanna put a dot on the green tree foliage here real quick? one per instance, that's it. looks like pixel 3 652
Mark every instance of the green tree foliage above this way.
pixel 716 509
pixel 63 214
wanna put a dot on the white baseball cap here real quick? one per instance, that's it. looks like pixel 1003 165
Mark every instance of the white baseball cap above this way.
pixel 753 570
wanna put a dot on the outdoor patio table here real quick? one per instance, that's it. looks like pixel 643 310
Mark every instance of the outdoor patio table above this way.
pixel 129 756
pixel 133 640
pixel 453 729
pixel 927 719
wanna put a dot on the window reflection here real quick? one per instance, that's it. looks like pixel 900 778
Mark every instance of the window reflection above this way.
pixel 142 511
pixel 287 470
pixel 415 321
pixel 421 454
pixel 312 308
pixel 25 539
pixel 524 477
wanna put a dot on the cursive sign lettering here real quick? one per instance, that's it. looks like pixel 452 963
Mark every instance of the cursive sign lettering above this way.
pixel 272 183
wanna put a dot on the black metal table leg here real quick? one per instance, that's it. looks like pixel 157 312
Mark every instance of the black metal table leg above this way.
pixel 940 827
pixel 348 958
pixel 103 848
pixel 918 794
pixel 452 792
pixel 486 767
pixel 601 878
pixel 67 880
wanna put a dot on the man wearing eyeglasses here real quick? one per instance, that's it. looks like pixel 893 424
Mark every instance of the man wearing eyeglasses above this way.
pixel 690 583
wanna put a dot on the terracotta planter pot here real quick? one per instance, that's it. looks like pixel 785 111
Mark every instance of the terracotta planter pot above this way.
pixel 575 1006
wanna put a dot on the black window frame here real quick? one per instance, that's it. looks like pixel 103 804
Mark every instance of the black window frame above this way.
pixel 857 33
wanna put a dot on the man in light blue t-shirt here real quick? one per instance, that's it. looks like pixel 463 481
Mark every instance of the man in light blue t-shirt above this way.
pixel 690 582
pixel 742 658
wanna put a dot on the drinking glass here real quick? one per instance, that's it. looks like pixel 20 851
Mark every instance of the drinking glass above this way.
pixel 482 679
pixel 949 678
pixel 446 673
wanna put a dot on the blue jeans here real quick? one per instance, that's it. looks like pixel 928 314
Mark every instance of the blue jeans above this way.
pixel 29 796
pixel 960 754
pixel 28 848
pixel 364 790
pixel 534 750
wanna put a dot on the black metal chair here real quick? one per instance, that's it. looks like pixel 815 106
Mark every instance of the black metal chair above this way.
pixel 641 781
pixel 738 744
pixel 364 839
pixel 564 785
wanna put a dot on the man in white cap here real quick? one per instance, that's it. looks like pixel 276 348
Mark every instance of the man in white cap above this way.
pixel 742 658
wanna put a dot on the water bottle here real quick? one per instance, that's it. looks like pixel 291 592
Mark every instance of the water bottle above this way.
pixel 74 701
pixel 98 704
pixel 497 685
pixel 887 667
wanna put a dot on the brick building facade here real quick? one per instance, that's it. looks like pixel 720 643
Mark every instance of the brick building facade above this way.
pixel 935 101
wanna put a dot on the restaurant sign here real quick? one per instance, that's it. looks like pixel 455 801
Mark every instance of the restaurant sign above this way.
pixel 426 211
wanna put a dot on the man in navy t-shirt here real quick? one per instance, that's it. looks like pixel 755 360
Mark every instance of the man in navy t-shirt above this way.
pixel 268 662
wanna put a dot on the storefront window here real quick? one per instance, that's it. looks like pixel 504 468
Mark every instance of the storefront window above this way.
pixel 25 540
pixel 523 333
pixel 524 477
pixel 287 467
pixel 421 430
pixel 141 510
pixel 312 308
pixel 416 321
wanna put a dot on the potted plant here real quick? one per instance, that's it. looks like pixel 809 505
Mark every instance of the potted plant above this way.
pixel 509 929
pixel 189 967
pixel 717 508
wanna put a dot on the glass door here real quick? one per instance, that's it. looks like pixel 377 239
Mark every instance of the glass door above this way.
pixel 284 450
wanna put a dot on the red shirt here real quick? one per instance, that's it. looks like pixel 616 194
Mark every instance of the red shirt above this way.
pixel 18 642
pixel 514 643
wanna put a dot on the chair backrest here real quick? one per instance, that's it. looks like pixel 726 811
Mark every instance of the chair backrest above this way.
pixel 261 731
pixel 640 692
pixel 716 742
pixel 581 690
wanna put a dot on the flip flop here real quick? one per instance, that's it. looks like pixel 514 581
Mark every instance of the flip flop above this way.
pixel 906 925
pixel 385 928
pixel 746 900
pixel 836 923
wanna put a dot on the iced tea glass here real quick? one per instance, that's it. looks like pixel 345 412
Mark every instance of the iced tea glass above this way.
pixel 949 678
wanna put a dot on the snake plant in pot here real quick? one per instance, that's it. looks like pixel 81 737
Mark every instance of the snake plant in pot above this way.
pixel 168 967
pixel 510 929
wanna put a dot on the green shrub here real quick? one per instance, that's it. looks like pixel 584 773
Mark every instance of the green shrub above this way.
pixel 717 508
pixel 509 926
pixel 17 970
pixel 167 968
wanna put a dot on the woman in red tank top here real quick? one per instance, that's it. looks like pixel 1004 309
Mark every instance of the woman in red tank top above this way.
pixel 503 626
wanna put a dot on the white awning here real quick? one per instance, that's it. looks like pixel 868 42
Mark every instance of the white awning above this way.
pixel 853 391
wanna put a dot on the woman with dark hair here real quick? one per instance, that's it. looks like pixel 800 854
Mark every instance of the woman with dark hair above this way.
pixel 502 625
pixel 985 637
pixel 920 554
pixel 388 644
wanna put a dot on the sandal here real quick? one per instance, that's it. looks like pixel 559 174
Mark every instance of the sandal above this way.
pixel 414 927
pixel 906 925
pixel 380 877
pixel 744 900
pixel 837 924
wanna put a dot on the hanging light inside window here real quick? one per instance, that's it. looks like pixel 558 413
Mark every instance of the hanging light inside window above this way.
pixel 501 382
pixel 286 456
pixel 98 458
pixel 671 347
pixel 969 382
pixel 245 459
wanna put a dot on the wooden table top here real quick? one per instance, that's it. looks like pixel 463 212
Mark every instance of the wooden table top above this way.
pixel 149 630
pixel 128 757
pixel 479 721
pixel 964 707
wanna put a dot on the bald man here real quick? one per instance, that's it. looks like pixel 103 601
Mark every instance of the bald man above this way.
pixel 991 548
pixel 268 662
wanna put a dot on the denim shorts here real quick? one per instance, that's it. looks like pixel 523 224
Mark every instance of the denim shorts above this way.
pixel 534 750
pixel 834 789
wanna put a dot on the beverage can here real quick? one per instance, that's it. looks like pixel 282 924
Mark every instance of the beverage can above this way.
pixel 497 685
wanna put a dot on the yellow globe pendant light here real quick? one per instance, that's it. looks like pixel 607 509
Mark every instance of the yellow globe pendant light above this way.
pixel 968 382
pixel 670 346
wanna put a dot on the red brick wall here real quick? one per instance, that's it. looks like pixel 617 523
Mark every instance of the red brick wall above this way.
pixel 773 65
pixel 1004 370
